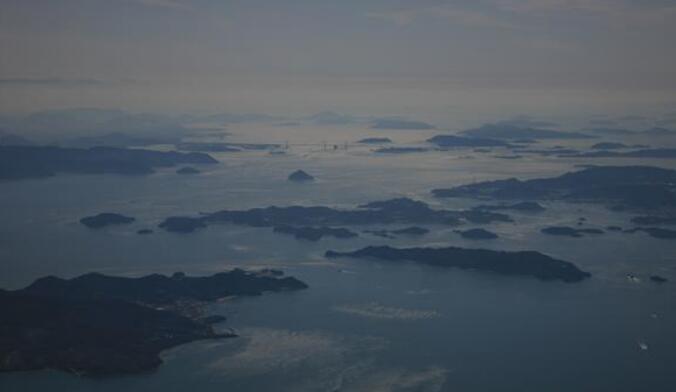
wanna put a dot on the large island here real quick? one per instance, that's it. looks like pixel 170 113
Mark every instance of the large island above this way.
pixel 528 263
pixel 636 187
pixel 393 211
pixel 96 325
pixel 19 162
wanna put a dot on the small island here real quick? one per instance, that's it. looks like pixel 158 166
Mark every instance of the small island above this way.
pixel 569 231
pixel 451 141
pixel 99 325
pixel 524 141
pixel 411 231
pixel 664 153
pixel 375 140
pixel 477 234
pixel 106 219
pixel 144 232
pixel 506 130
pixel 527 263
pixel 655 232
pixel 608 146
pixel 524 206
pixel 207 147
pixel 380 233
pixel 401 150
pixel 187 170
pixel 658 279
pixel 225 147
pixel 654 220
pixel 314 233
pixel 300 176
pixel 181 224
pixel 553 151
pixel 401 124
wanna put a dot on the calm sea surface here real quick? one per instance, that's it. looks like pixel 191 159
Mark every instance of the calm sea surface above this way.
pixel 362 325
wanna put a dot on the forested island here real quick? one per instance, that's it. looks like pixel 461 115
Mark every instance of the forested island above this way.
pixel 97 325
pixel 106 219
pixel 640 187
pixel 528 263
pixel 393 211
pixel 20 162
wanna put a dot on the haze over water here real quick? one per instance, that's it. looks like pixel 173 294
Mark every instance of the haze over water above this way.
pixel 362 325
pixel 301 83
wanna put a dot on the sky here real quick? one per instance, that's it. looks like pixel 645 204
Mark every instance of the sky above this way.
pixel 362 56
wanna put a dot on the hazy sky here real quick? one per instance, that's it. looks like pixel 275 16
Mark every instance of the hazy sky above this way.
pixel 362 55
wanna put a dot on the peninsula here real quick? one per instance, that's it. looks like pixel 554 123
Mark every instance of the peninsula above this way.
pixel 20 162
pixel 638 187
pixel 99 325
